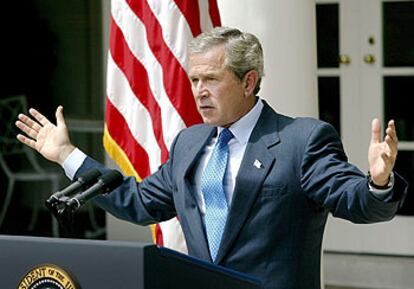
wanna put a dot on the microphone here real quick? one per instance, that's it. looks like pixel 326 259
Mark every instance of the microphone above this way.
pixel 105 184
pixel 83 182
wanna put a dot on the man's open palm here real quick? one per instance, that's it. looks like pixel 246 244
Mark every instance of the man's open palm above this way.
pixel 50 140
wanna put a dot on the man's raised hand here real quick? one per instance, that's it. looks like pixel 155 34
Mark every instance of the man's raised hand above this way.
pixel 50 140
pixel 382 153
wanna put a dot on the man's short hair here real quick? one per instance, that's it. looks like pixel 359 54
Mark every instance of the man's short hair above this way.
pixel 243 51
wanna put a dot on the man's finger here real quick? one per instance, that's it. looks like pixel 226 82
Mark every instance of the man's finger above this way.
pixel 26 129
pixel 392 145
pixel 29 122
pixel 27 141
pixel 39 117
pixel 392 131
pixel 375 131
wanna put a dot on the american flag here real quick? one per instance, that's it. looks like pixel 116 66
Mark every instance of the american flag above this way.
pixel 149 97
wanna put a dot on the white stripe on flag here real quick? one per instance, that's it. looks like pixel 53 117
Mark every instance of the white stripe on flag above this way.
pixel 135 114
pixel 205 20
pixel 175 29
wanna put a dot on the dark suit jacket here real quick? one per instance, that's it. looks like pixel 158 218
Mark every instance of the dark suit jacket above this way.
pixel 277 218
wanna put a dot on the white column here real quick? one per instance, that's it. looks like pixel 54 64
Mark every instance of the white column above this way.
pixel 287 31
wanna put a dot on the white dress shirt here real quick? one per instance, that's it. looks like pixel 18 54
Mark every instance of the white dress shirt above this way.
pixel 241 130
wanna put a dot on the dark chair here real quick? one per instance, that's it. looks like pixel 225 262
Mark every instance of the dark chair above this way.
pixel 12 152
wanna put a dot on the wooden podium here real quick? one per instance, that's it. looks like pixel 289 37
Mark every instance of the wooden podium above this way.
pixel 108 265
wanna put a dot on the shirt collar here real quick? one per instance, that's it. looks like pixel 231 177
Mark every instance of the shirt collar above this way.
pixel 242 129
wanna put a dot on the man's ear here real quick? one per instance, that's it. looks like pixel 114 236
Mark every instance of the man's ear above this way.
pixel 250 80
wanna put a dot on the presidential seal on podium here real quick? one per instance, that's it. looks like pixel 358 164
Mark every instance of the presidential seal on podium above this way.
pixel 48 276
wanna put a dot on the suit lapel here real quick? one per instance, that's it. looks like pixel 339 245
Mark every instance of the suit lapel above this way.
pixel 257 161
pixel 195 223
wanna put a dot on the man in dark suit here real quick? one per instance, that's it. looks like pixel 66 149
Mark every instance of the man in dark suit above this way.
pixel 266 214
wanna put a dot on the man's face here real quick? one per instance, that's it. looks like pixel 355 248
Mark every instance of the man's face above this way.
pixel 220 96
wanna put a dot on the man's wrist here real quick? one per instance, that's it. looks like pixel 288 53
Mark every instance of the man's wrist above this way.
pixel 65 152
pixel 384 186
pixel 73 162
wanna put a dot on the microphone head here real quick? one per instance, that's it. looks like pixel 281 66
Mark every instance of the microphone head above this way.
pixel 104 184
pixel 89 176
pixel 111 180
pixel 83 182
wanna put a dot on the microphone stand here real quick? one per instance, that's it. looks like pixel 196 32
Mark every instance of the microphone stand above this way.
pixel 63 214
pixel 58 205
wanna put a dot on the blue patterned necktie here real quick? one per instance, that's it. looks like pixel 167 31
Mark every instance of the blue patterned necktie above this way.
pixel 212 187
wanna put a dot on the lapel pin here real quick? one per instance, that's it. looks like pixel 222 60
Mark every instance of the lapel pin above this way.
pixel 257 164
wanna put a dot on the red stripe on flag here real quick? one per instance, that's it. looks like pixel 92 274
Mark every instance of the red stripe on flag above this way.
pixel 158 235
pixel 175 78
pixel 191 12
pixel 122 135
pixel 214 13
pixel 137 77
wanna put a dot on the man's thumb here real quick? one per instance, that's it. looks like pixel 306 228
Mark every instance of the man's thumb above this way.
pixel 375 131
pixel 59 116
